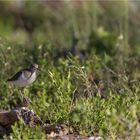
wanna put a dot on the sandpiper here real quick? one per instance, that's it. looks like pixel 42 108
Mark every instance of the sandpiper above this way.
pixel 24 77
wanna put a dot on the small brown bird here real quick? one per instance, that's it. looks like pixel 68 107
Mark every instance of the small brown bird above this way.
pixel 24 77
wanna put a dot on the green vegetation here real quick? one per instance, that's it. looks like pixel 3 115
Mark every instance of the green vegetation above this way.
pixel 90 67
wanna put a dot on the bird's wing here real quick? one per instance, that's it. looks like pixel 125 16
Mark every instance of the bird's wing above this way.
pixel 27 73
pixel 15 77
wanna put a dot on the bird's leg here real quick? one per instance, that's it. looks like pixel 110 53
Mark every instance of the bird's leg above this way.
pixel 21 93
pixel 22 90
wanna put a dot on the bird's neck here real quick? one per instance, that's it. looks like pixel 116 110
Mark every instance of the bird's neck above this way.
pixel 32 69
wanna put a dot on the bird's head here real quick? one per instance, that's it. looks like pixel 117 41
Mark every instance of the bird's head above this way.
pixel 34 67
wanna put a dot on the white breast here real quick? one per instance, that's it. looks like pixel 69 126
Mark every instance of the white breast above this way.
pixel 24 81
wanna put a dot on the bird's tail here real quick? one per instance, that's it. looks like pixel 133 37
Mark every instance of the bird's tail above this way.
pixel 9 81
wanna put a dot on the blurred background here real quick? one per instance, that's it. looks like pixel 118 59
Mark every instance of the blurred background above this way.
pixel 65 23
